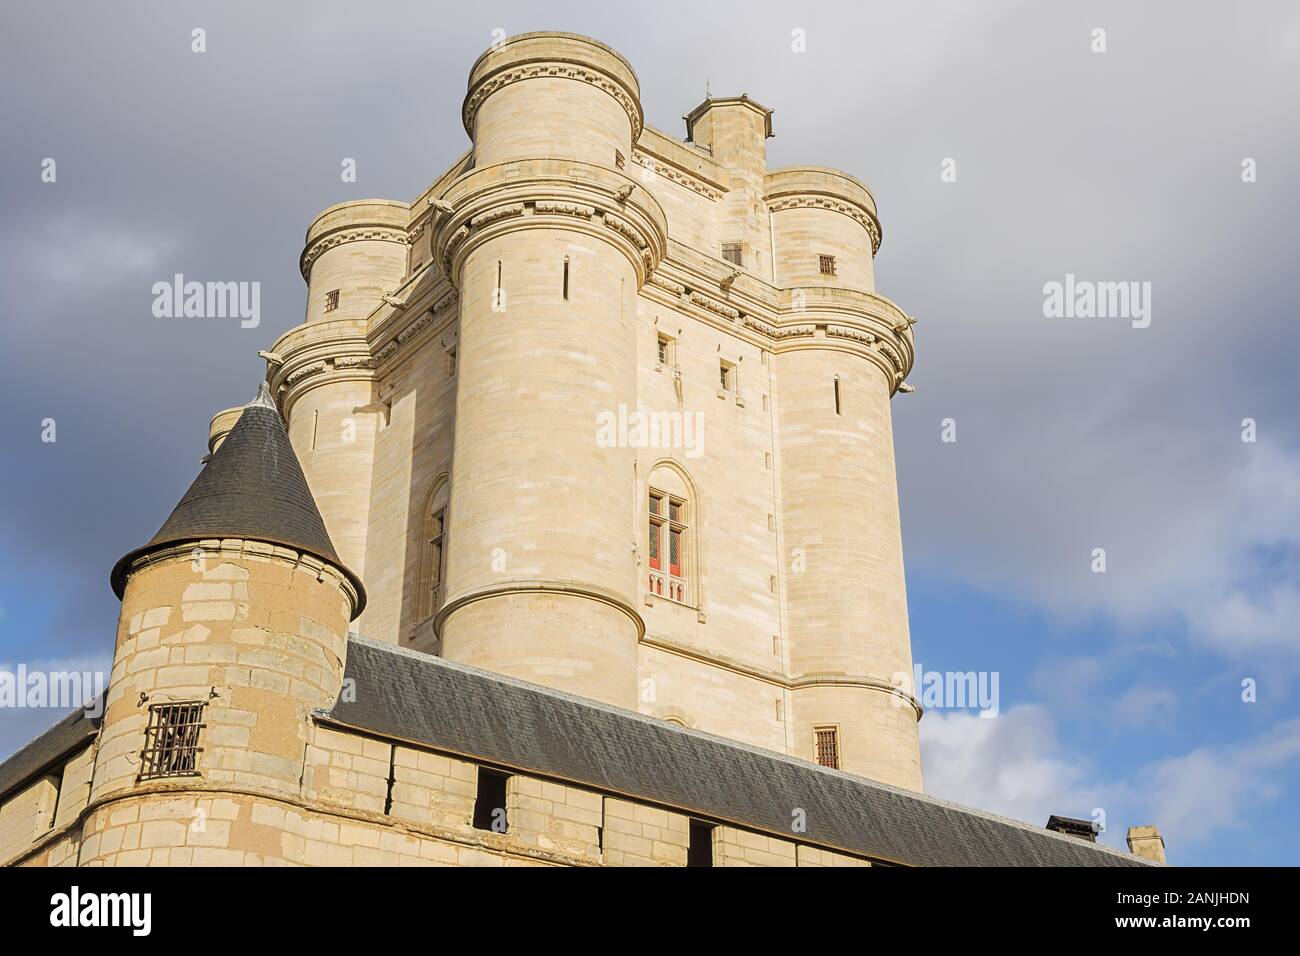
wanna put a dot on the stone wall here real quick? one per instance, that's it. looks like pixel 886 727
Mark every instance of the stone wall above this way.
pixel 365 801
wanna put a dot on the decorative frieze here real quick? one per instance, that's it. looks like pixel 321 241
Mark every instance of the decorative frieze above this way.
pixel 564 70
pixel 311 368
pixel 845 331
pixel 718 308
pixel 677 175
pixel 626 231
pixel 564 208
pixel 499 212
pixel 890 353
pixel 446 300
pixel 834 205
pixel 359 234
pixel 676 288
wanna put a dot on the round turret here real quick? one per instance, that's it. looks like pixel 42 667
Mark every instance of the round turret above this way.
pixel 233 630
pixel 355 253
pixel 543 95
pixel 824 228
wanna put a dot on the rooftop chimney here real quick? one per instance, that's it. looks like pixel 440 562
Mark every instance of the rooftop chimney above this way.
pixel 1147 843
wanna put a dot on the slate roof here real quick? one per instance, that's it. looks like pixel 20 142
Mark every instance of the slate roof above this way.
pixel 252 487
pixel 48 750
pixel 434 703
pixel 445 706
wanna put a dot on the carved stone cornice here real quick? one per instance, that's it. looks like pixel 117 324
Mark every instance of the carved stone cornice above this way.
pixel 667 284
pixel 864 323
pixel 318 352
pixel 856 213
pixel 432 316
pixel 714 306
pixel 583 73
pixel 353 234
pixel 676 174
pixel 594 200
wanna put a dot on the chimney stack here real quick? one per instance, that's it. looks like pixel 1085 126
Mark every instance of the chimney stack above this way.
pixel 1147 843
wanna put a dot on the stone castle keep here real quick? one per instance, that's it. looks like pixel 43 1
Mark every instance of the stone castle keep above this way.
pixel 442 595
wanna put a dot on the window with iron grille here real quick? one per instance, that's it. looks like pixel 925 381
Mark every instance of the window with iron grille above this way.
pixel 331 300
pixel 828 746
pixel 827 264
pixel 171 740
pixel 731 253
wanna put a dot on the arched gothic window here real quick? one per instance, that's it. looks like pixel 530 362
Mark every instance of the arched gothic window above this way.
pixel 671 527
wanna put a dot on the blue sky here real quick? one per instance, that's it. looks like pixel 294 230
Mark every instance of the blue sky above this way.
pixel 1119 691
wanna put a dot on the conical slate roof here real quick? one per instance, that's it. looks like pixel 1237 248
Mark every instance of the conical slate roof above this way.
pixel 252 487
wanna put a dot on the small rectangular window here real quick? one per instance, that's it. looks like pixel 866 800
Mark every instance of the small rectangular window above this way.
pixel 838 409
pixel 171 740
pixel 827 265
pixel 565 285
pixel 828 746
pixel 490 801
pixel 331 300
pixel 727 376
pixel 665 353
pixel 699 851
pixel 619 161
pixel 451 363
pixel 731 252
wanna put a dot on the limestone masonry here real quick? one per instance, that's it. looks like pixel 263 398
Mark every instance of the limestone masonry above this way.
pixel 564 531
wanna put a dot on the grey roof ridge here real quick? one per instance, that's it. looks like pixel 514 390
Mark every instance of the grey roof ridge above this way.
pixel 802 765
pixel 67 722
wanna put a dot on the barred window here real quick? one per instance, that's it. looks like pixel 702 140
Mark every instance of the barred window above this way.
pixel 827 264
pixel 171 740
pixel 828 746
pixel 731 253
pixel 331 300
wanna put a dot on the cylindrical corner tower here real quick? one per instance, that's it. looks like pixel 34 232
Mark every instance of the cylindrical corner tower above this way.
pixel 552 96
pixel 850 653
pixel 233 631
pixel 824 228
pixel 323 376
pixel 548 244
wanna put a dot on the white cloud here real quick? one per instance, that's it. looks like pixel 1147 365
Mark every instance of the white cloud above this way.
pixel 1015 766
pixel 1010 764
